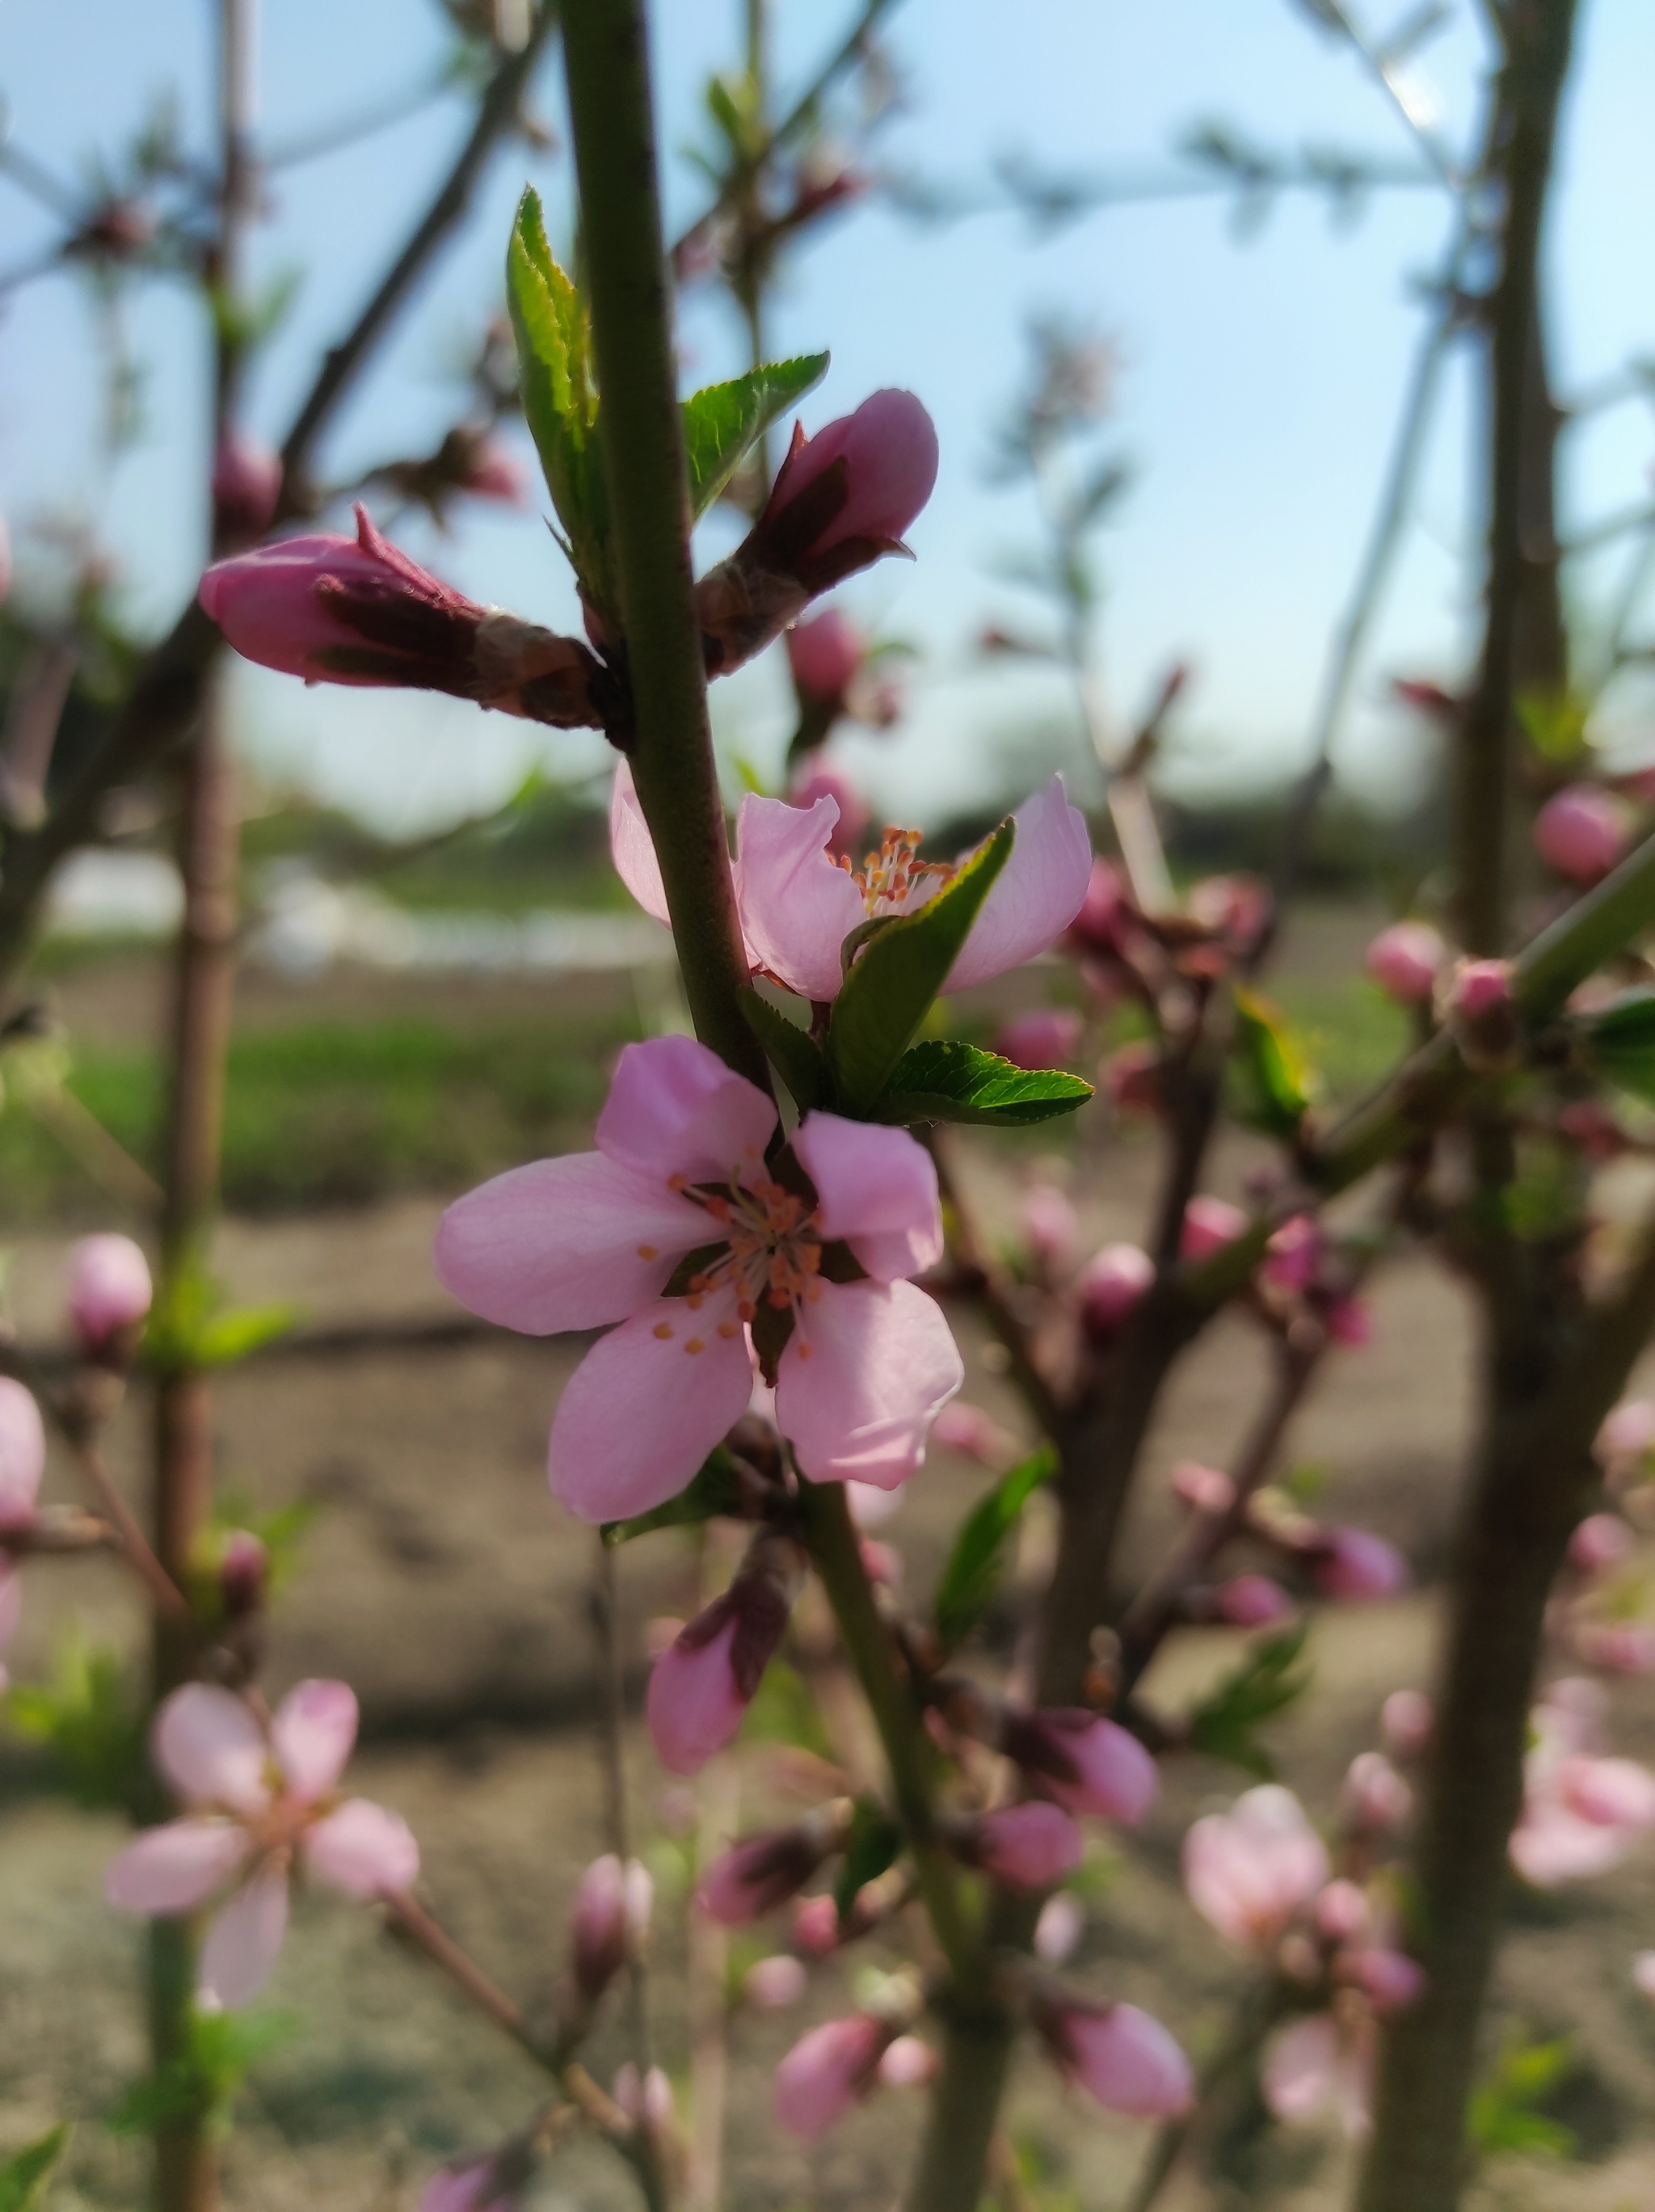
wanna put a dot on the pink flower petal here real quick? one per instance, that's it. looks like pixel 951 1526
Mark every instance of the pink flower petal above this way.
pixel 566 1243
pixel 1248 1871
pixel 866 1370
pixel 311 1735
pixel 827 2072
pixel 797 905
pixel 633 849
pixel 646 1405
pixel 674 1109
pixel 1301 2068
pixel 695 1703
pixel 244 1941
pixel 878 1191
pixel 1037 894
pixel 1126 2060
pixel 176 1866
pixel 211 1749
pixel 362 1849
pixel 23 1453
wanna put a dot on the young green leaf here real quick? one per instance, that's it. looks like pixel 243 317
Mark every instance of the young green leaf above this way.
pixel 89 1718
pixel 722 421
pixel 1618 1044
pixel 201 2083
pixel 1268 1680
pixel 1274 1081
pixel 560 399
pixel 942 1079
pixel 1503 2114
pixel 899 971
pixel 974 1565
pixel 789 1051
pixel 232 1336
pixel 872 1845
pixel 23 2178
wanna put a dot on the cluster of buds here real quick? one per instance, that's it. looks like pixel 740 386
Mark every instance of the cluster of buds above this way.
pixel 1583 1810
pixel 607 1924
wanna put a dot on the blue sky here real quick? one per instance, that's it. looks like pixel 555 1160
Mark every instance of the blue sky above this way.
pixel 1259 380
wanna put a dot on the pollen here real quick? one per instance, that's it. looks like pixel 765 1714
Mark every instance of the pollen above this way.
pixel 664 1330
pixel 694 1344
pixel 728 1329
pixel 647 1252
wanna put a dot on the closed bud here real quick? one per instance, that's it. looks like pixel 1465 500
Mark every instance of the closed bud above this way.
pixel 1086 1763
pixel 1601 1543
pixel 1293 1255
pixel 828 2071
pixel 1388 1979
pixel 1050 1225
pixel 1203 1489
pixel 1375 1797
pixel 1479 1008
pixel 1251 1601
pixel 646 2103
pixel 1341 1912
pixel 701 1686
pixel 1354 1564
pixel 244 1569
pixel 1628 1435
pixel 908 2064
pixel 1404 961
pixel 1405 1724
pixel 825 652
pixel 1111 1284
pixel 1058 1930
pixel 1044 1038
pixel 1025 1846
pixel 1209 1224
pixel 1124 2059
pixel 247 484
pixel 22 1454
pixel 772 1985
pixel 110 1294
pixel 815 1926
pixel 608 1922
pixel 761 1872
pixel 1581 832
pixel 1105 919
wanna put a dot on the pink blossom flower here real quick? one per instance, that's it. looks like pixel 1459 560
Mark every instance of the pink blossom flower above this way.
pixel 967 1429
pixel 825 652
pixel 1123 2058
pixel 819 781
pixel 488 471
pixel 1405 959
pixel 22 1454
pixel 1252 1601
pixel 1477 1003
pixel 818 508
pixel 773 1984
pixel 1341 1912
pixel 1058 1930
pixel 701 1686
pixel 798 904
pixel 1621 1647
pixel 1111 1284
pixel 608 1922
pixel 1292 1255
pixel 760 1872
pixel 1582 1813
pixel 1051 1225
pixel 594 1238
pixel 1132 1079
pixel 358 611
pixel 1405 1720
pixel 1045 1037
pixel 1349 1323
pixel 1209 1224
pixel 1319 2061
pixel 256 1802
pixel 1252 1870
pixel 1581 832
pixel 109 1288
pixel 828 2071
pixel 1628 1433
pixel 1388 1979
pixel 247 484
pixel 1086 1763
pixel 1375 1796
pixel 815 1926
pixel 908 2064
pixel 1203 1489
pixel 1601 1542
pixel 1027 1846
pixel 1104 913
pixel 1354 1563
pixel 470 2188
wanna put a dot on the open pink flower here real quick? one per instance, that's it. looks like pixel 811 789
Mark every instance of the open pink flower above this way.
pixel 1321 2061
pixel 1122 2057
pixel 258 1803
pixel 1582 1811
pixel 1252 1870
pixel 829 2070
pixel 595 1237
pixel 798 904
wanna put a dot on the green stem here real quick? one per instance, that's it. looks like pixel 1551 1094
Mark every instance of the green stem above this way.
pixel 607 62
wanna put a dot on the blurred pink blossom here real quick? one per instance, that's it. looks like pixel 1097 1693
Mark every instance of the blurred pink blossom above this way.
pixel 820 781
pixel 247 484
pixel 1203 1489
pixel 109 1288
pixel 1253 1870
pixel 773 1984
pixel 1405 960
pixel 1209 1224
pixel 1028 1846
pixel 608 1921
pixel 828 2071
pixel 1046 1037
pixel 1252 1601
pixel 825 651
pixel 1601 1542
pixel 1321 2061
pixel 1628 1432
pixel 1354 1564
pixel 1405 1722
pixel 1123 2058
pixel 1581 832
pixel 1374 1796
pixel 1086 1763
pixel 1050 1225
pixel 1110 1285
pixel 815 1925
pixel 22 1454
pixel 908 2064
pixel 1058 1930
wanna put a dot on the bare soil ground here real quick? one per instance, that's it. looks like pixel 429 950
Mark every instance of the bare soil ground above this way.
pixel 441 1582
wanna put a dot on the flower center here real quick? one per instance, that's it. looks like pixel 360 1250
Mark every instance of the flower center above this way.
pixel 889 879
pixel 771 1254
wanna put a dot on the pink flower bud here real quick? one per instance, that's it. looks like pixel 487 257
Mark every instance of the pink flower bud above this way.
pixel 1050 1225
pixel 1122 2057
pixel 1046 1037
pixel 1209 1224
pixel 823 783
pixel 1628 1433
pixel 1203 1489
pixel 967 1429
pixel 825 652
pixel 1375 1796
pixel 702 1684
pixel 1341 1912
pixel 858 483
pixel 1132 1079
pixel 1602 1542
pixel 22 1454
pixel 1390 1980
pixel 109 1289
pixel 1026 1846
pixel 1581 832
pixel 1481 986
pixel 1058 1930
pixel 358 611
pixel 1479 1007
pixel 247 484
pixel 1251 1602
pixel 1405 1722
pixel 1233 907
pixel 1349 1323
pixel 828 2071
pixel 1354 1563
pixel 1610 1793
pixel 1404 961
pixel 646 2104
pixel 1621 1647
pixel 470 2188
pixel 1106 913
pixel 1086 1763
pixel 815 1926
pixel 908 2064
pixel 1292 1255
pixel 763 1871
pixel 772 1985
pixel 1111 1284
pixel 244 1568
pixel 608 1921
pixel 488 471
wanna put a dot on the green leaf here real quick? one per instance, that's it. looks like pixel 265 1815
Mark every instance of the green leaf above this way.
pixel 232 1336
pixel 23 2179
pixel 200 2084
pixel 1503 2114
pixel 560 399
pixel 974 1565
pixel 944 1080
pixel 789 1051
pixel 1268 1680
pixel 1274 1082
pixel 871 1846
pixel 716 1489
pixel 90 1719
pixel 722 421
pixel 890 987
pixel 783 1710
pixel 1554 722
pixel 1618 1044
